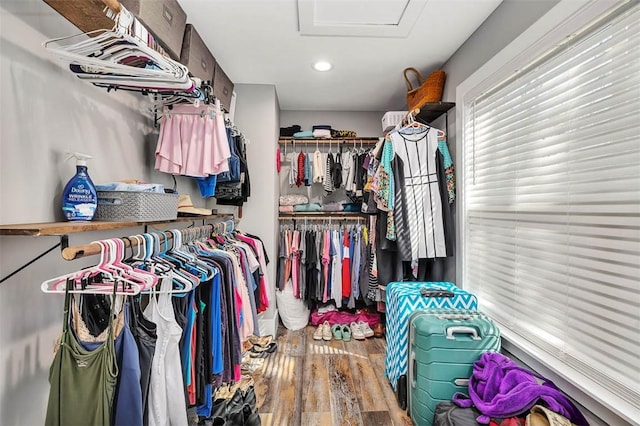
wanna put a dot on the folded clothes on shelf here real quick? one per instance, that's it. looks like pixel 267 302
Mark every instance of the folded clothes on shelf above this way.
pixel 321 127
pixel 343 134
pixel 133 187
pixel 332 207
pixel 310 207
pixel 322 133
pixel 289 131
pixel 293 199
pixel 352 207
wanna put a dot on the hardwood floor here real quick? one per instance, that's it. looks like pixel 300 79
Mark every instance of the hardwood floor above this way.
pixel 318 383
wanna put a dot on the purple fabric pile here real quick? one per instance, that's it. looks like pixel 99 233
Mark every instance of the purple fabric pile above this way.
pixel 500 388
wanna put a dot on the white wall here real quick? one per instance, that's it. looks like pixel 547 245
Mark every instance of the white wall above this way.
pixel 46 111
pixel 257 116
pixel 506 23
pixel 365 124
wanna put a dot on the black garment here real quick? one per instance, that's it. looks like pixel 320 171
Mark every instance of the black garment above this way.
pixel 360 175
pixel 363 282
pixel 389 263
pixel 236 193
pixel 311 275
pixel 144 334
pixel 336 171
pixel 290 131
pixel 95 311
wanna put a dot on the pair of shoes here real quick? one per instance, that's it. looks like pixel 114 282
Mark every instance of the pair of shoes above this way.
pixel 323 332
pixel 237 410
pixel 259 349
pixel 361 330
pixel 260 340
pixel 341 332
pixel 366 329
pixel 542 416
pixel 357 331
pixel 251 364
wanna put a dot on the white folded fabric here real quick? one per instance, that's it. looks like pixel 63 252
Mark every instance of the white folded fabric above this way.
pixel 322 133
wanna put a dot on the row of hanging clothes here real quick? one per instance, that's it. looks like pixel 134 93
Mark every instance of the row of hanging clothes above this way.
pixel 328 262
pixel 333 170
pixel 150 333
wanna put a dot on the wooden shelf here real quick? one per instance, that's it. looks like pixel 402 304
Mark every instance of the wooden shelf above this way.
pixel 87 15
pixel 63 228
pixel 283 140
pixel 322 215
pixel 431 111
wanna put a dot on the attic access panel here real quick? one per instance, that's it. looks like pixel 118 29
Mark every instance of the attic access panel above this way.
pixel 358 18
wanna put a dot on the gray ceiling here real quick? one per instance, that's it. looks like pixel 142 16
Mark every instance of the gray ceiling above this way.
pixel 369 43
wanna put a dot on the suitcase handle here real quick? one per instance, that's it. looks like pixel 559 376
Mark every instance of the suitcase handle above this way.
pixel 412 371
pixel 426 292
pixel 462 330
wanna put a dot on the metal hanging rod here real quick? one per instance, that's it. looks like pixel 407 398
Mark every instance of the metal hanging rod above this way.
pixel 350 141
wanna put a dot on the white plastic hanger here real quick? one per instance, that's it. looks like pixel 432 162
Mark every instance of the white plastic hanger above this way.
pixel 108 274
pixel 105 58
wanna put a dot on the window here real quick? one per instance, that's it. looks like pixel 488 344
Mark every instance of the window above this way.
pixel 550 208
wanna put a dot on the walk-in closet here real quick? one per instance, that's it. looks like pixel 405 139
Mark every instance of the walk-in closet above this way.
pixel 320 213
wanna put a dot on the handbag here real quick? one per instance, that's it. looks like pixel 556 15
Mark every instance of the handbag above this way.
pixel 449 414
pixel 429 90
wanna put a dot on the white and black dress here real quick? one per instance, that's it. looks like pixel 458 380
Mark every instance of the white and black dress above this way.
pixel 421 213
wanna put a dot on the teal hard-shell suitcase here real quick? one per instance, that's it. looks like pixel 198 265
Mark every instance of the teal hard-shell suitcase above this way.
pixel 443 345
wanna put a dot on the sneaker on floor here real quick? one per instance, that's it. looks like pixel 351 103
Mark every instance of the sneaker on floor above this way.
pixel 336 330
pixel 366 329
pixel 356 331
pixel 317 335
pixel 326 331
pixel 346 333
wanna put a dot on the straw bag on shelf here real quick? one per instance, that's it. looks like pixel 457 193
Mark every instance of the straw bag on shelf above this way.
pixel 429 90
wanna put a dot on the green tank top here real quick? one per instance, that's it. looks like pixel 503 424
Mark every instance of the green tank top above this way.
pixel 82 382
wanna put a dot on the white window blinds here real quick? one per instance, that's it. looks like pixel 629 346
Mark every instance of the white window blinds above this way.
pixel 551 203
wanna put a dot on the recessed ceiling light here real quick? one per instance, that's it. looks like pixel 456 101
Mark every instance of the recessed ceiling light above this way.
pixel 322 66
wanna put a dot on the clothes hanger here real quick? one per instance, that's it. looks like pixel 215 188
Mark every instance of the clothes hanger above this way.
pixel 182 279
pixel 206 271
pixel 85 281
pixel 146 278
pixel 108 58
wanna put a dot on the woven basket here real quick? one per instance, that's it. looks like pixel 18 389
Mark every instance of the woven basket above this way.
pixel 430 90
pixel 129 206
